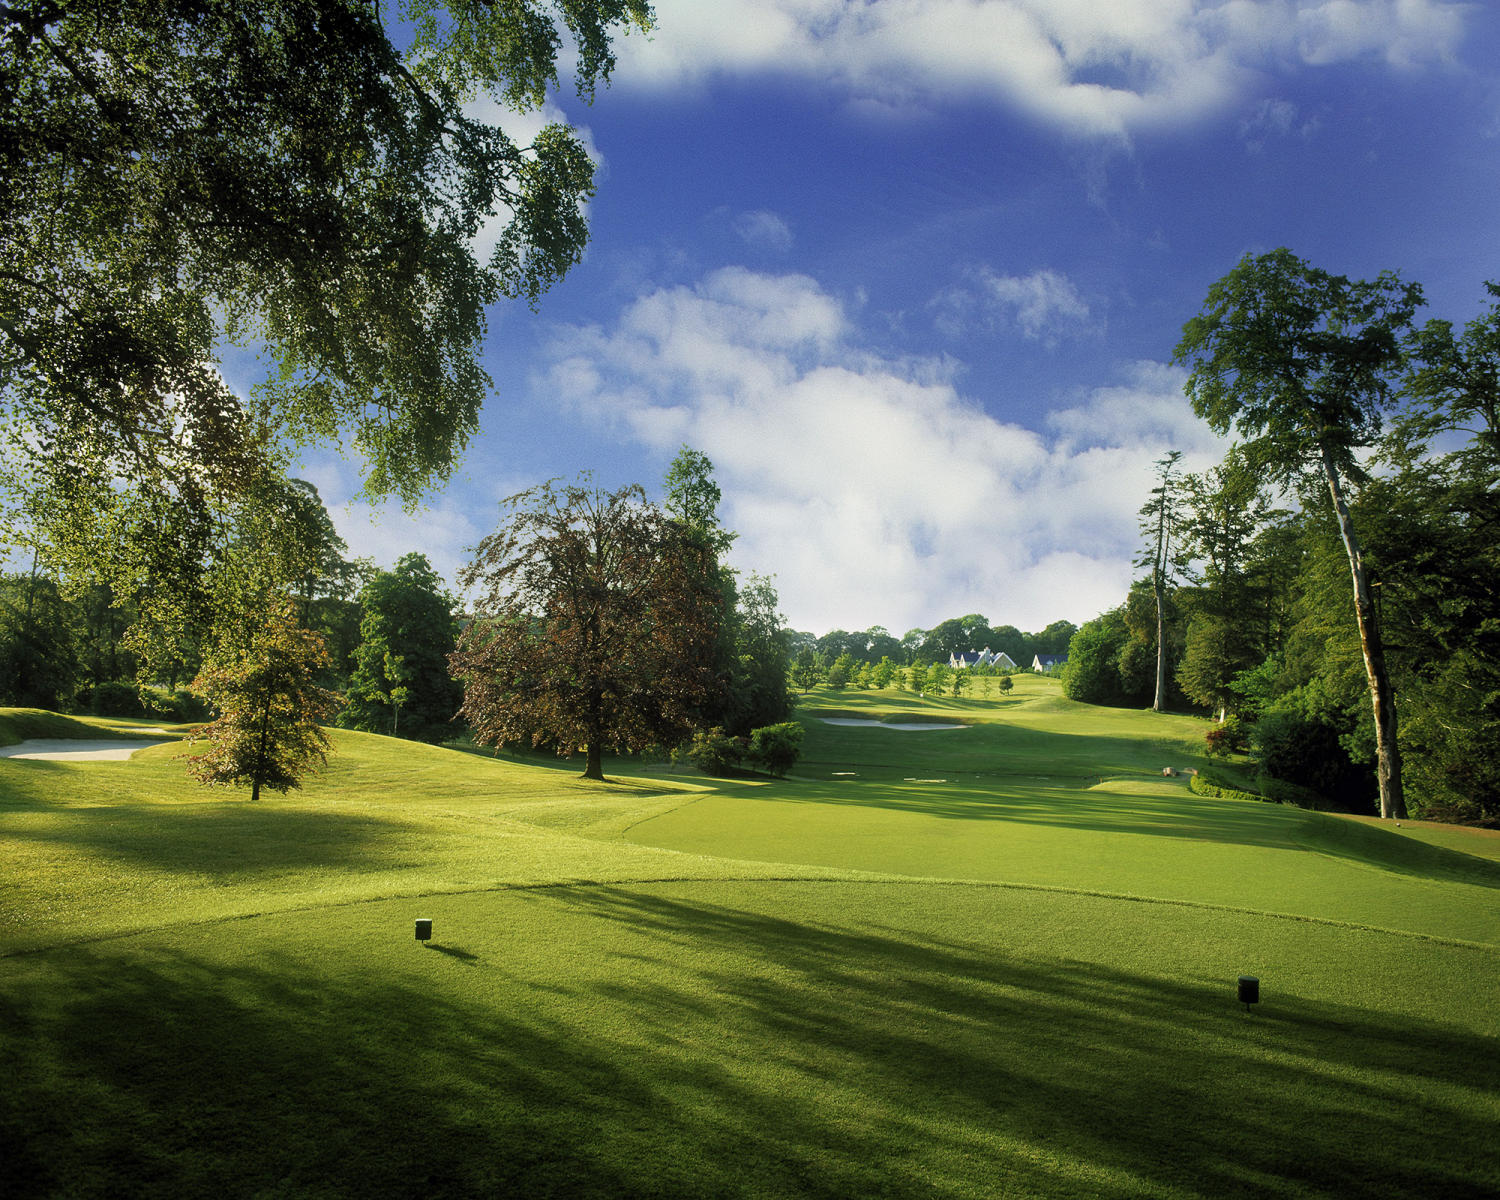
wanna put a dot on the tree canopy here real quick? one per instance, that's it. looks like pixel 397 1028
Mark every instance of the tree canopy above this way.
pixel 1303 363
pixel 179 176
pixel 594 621
pixel 400 684
pixel 269 705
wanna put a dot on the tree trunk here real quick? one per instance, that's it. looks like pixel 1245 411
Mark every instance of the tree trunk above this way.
pixel 1160 703
pixel 593 763
pixel 260 752
pixel 1382 698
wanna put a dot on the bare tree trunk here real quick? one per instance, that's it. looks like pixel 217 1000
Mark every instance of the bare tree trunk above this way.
pixel 1382 698
pixel 1160 703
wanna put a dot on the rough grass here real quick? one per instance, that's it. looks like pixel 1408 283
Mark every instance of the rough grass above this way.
pixel 1016 982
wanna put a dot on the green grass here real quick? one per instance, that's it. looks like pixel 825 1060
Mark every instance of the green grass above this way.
pixel 1019 981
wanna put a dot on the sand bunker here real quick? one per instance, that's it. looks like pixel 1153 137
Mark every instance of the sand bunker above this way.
pixel 75 749
pixel 904 726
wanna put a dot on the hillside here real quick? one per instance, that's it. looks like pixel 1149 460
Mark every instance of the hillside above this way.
pixel 991 960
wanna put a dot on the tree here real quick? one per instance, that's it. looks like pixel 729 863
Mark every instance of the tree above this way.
pixel 1302 361
pixel 692 500
pixel 267 732
pixel 1092 672
pixel 1226 508
pixel 1053 640
pixel 277 175
pixel 38 644
pixel 693 497
pixel 401 685
pixel 594 617
pixel 938 675
pixel 1160 517
pixel 881 644
pixel 911 643
pixel 916 678
pixel 840 672
pixel 776 747
pixel 1006 684
pixel 806 673
pixel 762 649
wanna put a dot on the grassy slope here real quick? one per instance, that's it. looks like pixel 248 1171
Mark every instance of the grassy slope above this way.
pixel 736 1030
pixel 1044 792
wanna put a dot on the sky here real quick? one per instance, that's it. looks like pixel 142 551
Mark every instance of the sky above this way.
pixel 911 273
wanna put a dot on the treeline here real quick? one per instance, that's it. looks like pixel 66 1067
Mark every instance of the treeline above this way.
pixel 1297 574
pixel 957 635
pixel 88 634
pixel 72 642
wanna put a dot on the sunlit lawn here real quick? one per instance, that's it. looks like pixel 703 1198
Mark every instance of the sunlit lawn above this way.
pixel 1016 981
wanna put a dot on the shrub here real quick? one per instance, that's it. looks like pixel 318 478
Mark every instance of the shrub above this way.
pixel 715 752
pixel 114 698
pixel 776 747
pixel 1284 792
pixel 1228 737
pixel 1308 750
pixel 1203 785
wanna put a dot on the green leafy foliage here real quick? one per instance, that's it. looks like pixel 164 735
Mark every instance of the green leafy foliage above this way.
pixel 715 752
pixel 280 176
pixel 39 665
pixel 1303 363
pixel 267 733
pixel 1230 736
pixel 401 685
pixel 776 747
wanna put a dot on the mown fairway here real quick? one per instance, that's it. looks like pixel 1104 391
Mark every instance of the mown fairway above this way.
pixel 990 961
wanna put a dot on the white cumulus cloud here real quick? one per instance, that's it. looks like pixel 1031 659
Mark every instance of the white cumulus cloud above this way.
pixel 1094 69
pixel 872 488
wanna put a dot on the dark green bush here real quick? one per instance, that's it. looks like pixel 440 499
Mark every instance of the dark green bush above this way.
pixel 114 698
pixel 1228 737
pixel 775 747
pixel 1309 751
pixel 715 752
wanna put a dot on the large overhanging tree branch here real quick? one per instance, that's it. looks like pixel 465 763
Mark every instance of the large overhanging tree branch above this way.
pixel 176 175
pixel 1301 362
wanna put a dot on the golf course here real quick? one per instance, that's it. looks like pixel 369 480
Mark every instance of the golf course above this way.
pixel 996 956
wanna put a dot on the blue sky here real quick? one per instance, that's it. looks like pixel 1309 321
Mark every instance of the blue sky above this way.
pixel 911 272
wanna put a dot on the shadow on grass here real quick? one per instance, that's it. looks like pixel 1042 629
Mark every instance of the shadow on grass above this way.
pixel 706 1050
pixel 453 952
pixel 224 838
pixel 991 750
pixel 1035 801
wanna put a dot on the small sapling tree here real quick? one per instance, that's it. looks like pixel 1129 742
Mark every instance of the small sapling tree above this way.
pixel 267 733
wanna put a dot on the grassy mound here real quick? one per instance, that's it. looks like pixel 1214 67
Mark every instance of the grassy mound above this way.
pixel 1019 980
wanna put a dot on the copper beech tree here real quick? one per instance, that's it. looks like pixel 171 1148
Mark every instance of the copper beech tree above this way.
pixel 593 625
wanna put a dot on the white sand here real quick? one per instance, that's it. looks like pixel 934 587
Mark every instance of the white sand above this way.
pixel 904 726
pixel 75 749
